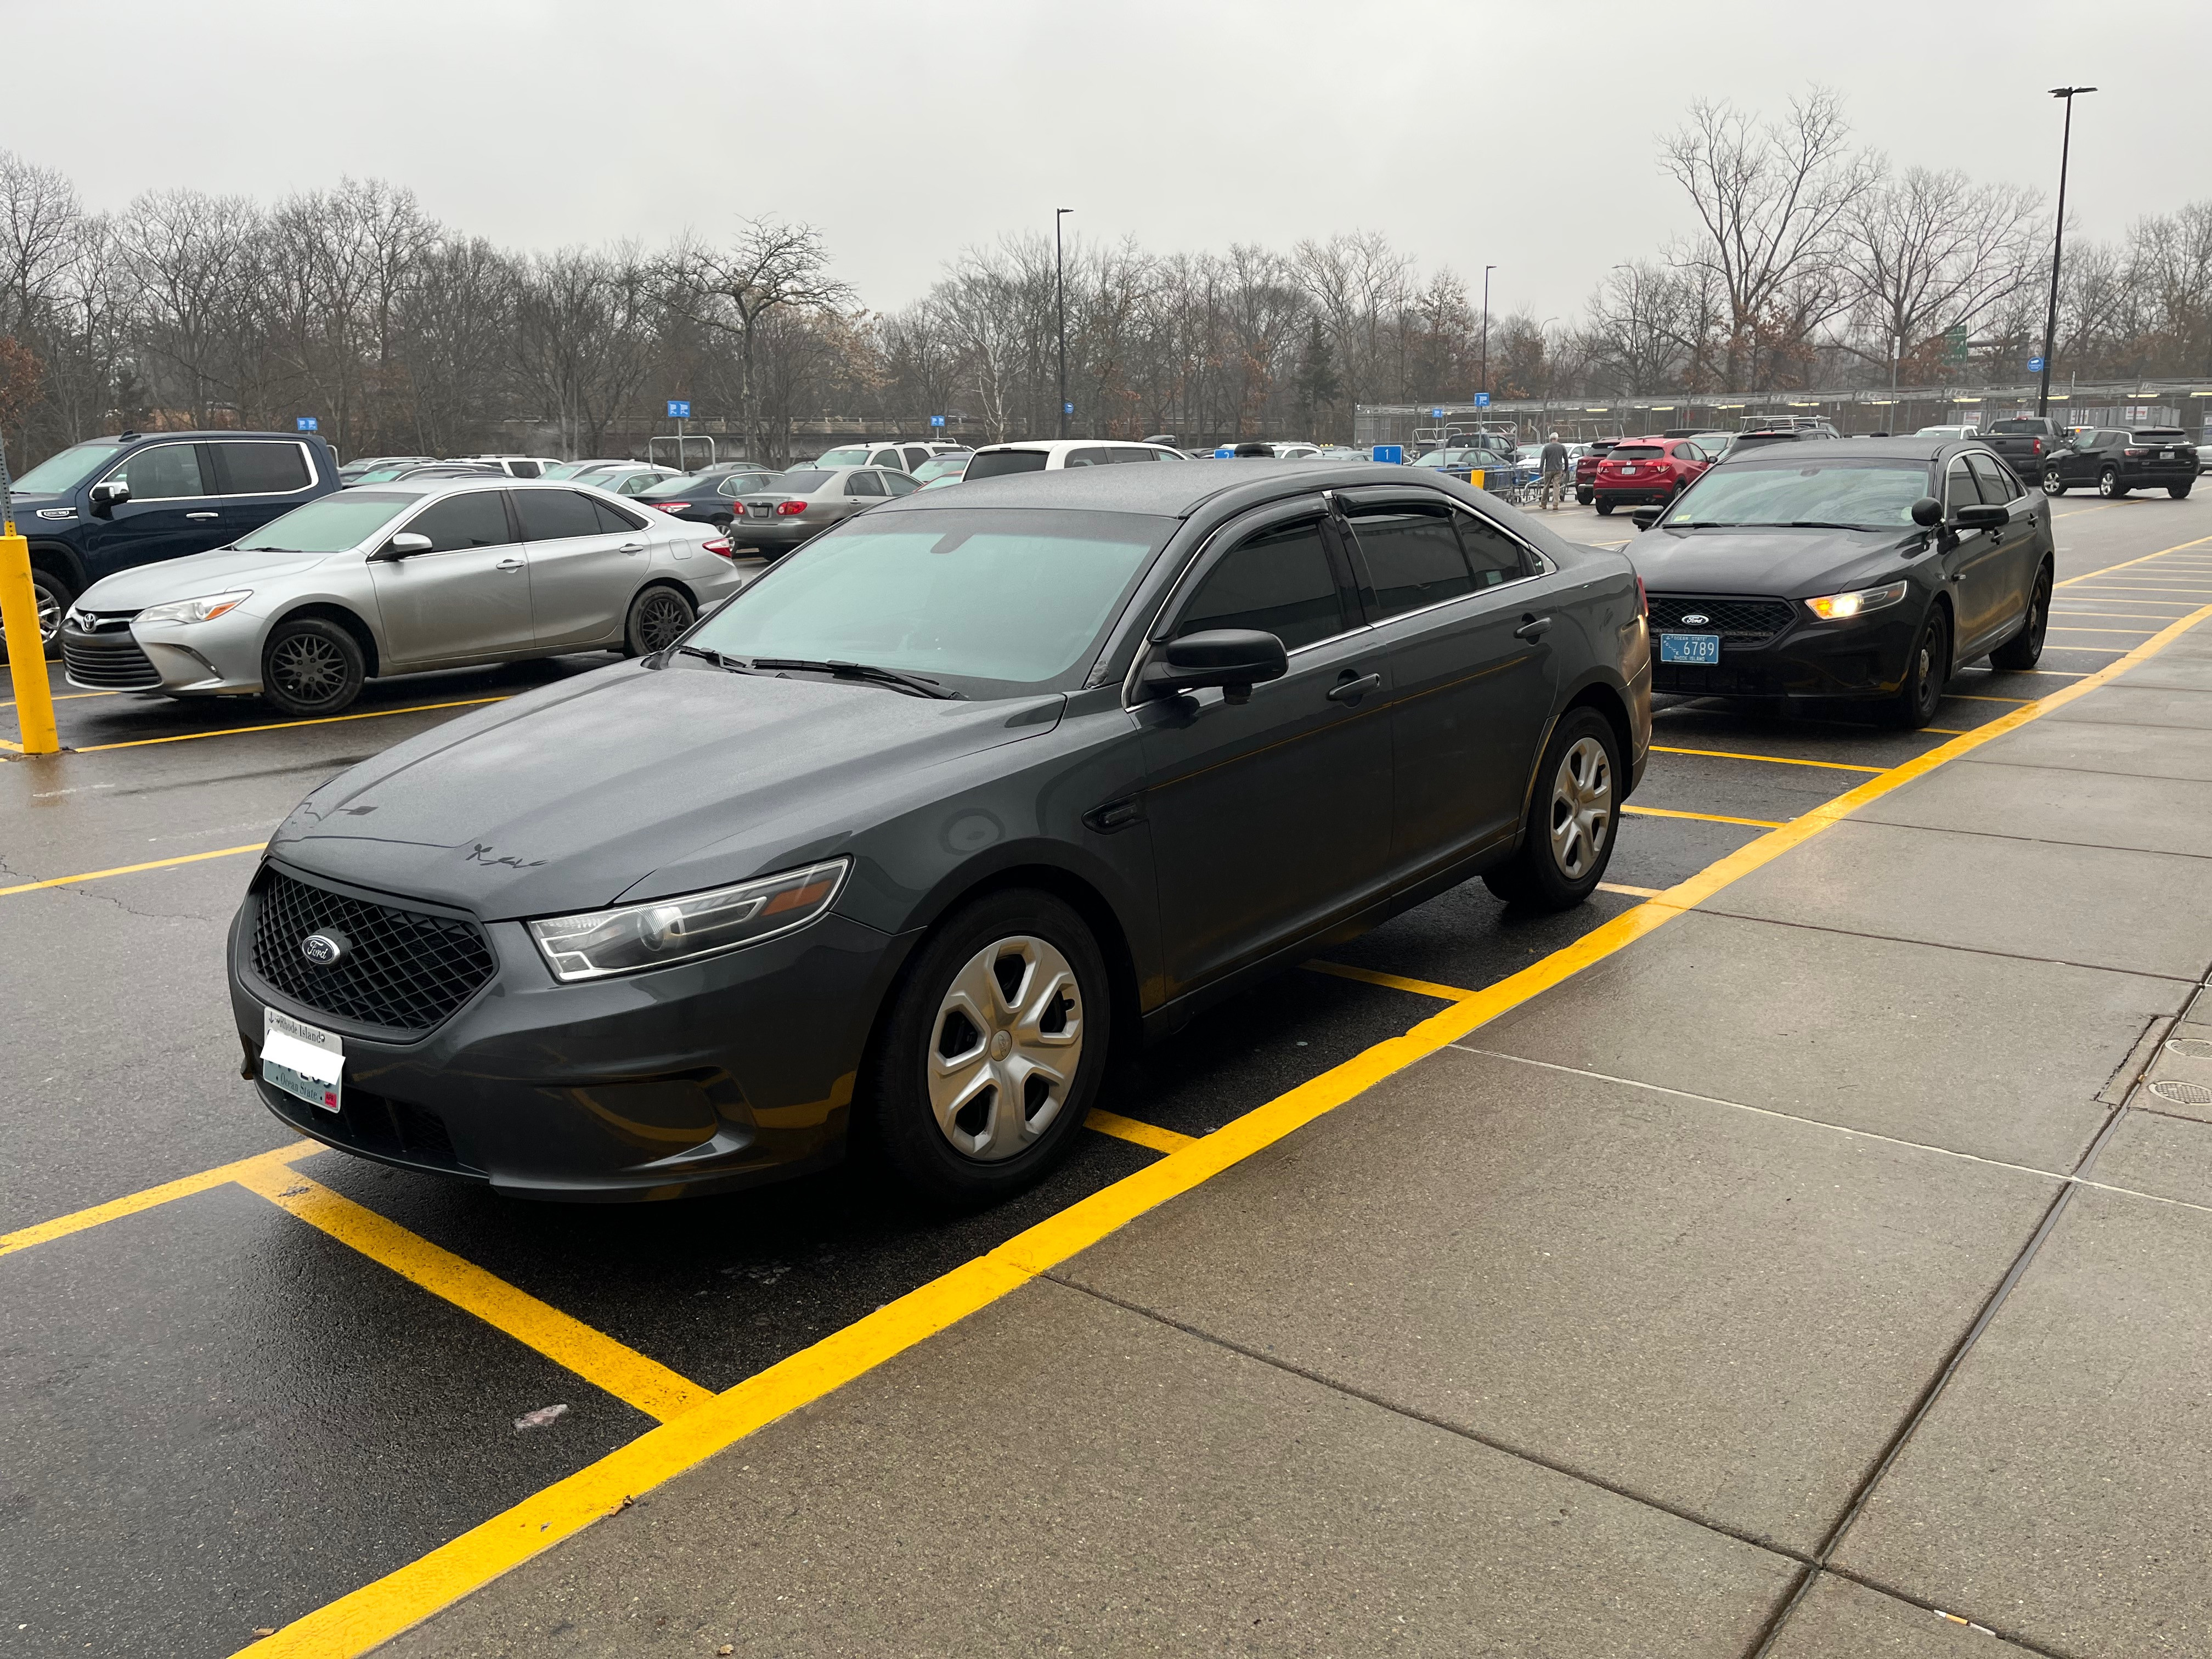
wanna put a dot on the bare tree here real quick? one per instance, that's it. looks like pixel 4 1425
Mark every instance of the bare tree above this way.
pixel 39 217
pixel 1929 251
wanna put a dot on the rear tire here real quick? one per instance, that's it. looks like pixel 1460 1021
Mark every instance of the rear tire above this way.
pixel 1926 671
pixel 2180 491
pixel 659 617
pixel 1585 497
pixel 2109 484
pixel 311 666
pixel 1567 841
pixel 2053 484
pixel 1604 509
pixel 2025 648
pixel 957 1044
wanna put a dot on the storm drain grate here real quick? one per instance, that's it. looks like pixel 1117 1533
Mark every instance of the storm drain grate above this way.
pixel 2177 1093
pixel 2189 1047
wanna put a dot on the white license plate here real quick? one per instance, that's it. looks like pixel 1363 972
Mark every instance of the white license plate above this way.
pixel 1689 648
pixel 303 1060
pixel 2165 454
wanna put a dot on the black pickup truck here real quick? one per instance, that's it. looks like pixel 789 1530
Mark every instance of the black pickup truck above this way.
pixel 2026 443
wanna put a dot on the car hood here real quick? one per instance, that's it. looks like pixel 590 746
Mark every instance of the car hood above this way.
pixel 189 577
pixel 634 782
pixel 1790 564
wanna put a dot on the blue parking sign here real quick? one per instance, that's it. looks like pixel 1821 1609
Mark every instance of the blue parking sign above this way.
pixel 1391 454
pixel 679 408
pixel 309 424
pixel 937 420
pixel 2035 365
pixel 1436 414
pixel 1482 400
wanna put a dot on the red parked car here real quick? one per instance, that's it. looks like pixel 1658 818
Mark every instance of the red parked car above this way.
pixel 1642 471
pixel 1586 466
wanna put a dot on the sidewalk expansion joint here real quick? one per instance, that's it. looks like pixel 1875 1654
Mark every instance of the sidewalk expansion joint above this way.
pixel 1519 1453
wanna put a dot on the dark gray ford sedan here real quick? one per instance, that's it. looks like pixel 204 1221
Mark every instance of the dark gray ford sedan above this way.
pixel 909 833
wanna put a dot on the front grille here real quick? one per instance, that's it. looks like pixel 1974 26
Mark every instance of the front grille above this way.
pixel 1738 622
pixel 108 660
pixel 403 971
pixel 1702 680
pixel 379 1126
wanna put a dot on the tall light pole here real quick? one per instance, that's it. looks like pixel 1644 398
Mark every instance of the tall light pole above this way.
pixel 1486 270
pixel 2057 247
pixel 1059 296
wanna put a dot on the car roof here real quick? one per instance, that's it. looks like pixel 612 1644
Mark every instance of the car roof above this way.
pixel 1914 448
pixel 1164 491
pixel 1051 446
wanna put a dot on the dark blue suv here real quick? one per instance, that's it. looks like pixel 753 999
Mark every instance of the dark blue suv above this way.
pixel 109 503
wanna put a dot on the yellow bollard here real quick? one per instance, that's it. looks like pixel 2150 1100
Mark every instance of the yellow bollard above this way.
pixel 27 651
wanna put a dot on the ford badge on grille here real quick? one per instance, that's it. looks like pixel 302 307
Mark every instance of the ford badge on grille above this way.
pixel 325 950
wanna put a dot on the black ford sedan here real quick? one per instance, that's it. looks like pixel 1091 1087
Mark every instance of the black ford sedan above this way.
pixel 1869 571
pixel 904 838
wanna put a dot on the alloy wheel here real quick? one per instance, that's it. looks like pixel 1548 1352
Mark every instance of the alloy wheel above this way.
pixel 307 669
pixel 50 612
pixel 661 619
pixel 1005 1048
pixel 2052 485
pixel 1581 807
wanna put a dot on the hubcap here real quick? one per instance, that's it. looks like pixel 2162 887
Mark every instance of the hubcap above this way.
pixel 662 620
pixel 307 668
pixel 1581 807
pixel 50 615
pixel 2050 484
pixel 1005 1048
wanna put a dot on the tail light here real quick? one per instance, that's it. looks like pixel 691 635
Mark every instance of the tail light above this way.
pixel 671 506
pixel 2136 453
pixel 789 509
pixel 2037 446
pixel 721 545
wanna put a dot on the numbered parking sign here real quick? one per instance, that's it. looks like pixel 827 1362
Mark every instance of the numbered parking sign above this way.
pixel 1392 454
pixel 307 423
pixel 679 408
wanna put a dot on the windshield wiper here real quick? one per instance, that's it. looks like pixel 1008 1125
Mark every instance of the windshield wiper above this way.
pixel 713 656
pixel 916 684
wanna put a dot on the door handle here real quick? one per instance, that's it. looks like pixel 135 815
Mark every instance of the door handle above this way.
pixel 1532 628
pixel 1352 691
pixel 203 515
pixel 631 547
pixel 509 564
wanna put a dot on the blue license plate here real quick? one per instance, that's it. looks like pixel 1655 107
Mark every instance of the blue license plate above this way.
pixel 1689 648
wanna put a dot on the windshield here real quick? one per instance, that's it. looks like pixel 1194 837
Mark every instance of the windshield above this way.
pixel 851 455
pixel 931 593
pixel 998 463
pixel 945 466
pixel 329 526
pixel 59 474
pixel 1862 494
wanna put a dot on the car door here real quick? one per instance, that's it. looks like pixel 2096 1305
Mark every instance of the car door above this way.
pixel 863 489
pixel 586 560
pixel 2022 554
pixel 2080 468
pixel 173 509
pixel 468 598
pixel 1270 817
pixel 259 480
pixel 1465 614
pixel 1975 566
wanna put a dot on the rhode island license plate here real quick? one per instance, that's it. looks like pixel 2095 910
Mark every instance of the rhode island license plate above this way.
pixel 1689 648
pixel 303 1060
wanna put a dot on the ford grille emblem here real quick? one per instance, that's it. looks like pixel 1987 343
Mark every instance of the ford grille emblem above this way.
pixel 323 950
pixel 1696 619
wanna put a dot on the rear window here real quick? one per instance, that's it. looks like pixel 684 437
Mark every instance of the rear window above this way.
pixel 800 481
pixel 555 515
pixel 1636 452
pixel 2035 426
pixel 998 463
pixel 2160 434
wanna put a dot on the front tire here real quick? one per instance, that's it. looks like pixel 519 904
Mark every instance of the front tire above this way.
pixel 2109 484
pixel 1925 672
pixel 1568 839
pixel 659 617
pixel 2024 649
pixel 993 1050
pixel 311 666
pixel 2053 484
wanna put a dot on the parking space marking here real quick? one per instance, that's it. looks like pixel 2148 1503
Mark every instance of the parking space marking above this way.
pixel 65 696
pixel 1702 818
pixel 1776 760
pixel 2146 615
pixel 1633 892
pixel 2116 650
pixel 2124 563
pixel 645 1384
pixel 287 726
pixel 1396 983
pixel 1141 1135
pixel 116 1208
pixel 131 869
pixel 405 1596
pixel 1969 696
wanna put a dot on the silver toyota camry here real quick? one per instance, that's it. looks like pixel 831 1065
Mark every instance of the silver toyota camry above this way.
pixel 395 579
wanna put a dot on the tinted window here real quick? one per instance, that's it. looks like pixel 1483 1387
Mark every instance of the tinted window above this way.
pixel 799 480
pixel 162 472
pixel 915 457
pixel 1996 486
pixel 900 484
pixel 614 520
pixel 997 463
pixel 1637 453
pixel 1958 488
pixel 1279 582
pixel 261 469
pixel 1134 455
pixel 1412 556
pixel 1089 457
pixel 460 522
pixel 553 515
pixel 2016 426
pixel 863 483
pixel 1492 554
pixel 523 469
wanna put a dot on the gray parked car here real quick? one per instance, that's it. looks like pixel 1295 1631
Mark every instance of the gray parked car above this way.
pixel 793 506
pixel 926 821
pixel 392 579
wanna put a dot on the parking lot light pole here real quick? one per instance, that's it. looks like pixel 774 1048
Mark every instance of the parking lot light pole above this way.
pixel 1486 270
pixel 1060 299
pixel 18 620
pixel 2057 247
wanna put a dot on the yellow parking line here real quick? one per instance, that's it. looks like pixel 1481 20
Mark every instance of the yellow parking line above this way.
pixel 1702 818
pixel 2115 650
pixel 1968 696
pixel 2057 630
pixel 1143 1134
pixel 1396 981
pixel 597 1358
pixel 131 869
pixel 1777 760
pixel 2103 569
pixel 286 726
pixel 116 1208
pixel 2146 615
pixel 1633 892
pixel 65 696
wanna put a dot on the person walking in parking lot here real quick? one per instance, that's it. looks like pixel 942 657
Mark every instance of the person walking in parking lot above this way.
pixel 1555 492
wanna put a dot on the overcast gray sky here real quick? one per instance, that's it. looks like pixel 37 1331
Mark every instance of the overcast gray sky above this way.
pixel 1520 136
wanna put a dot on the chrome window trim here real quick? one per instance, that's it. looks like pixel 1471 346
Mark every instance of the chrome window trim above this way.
pixel 142 449
pixel 315 472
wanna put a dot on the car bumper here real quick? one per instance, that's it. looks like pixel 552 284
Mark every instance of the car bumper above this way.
pixel 1636 495
pixel 183 658
pixel 1863 658
pixel 772 533
pixel 721 1073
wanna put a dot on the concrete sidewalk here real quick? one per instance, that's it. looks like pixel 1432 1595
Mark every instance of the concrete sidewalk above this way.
pixel 1811 1264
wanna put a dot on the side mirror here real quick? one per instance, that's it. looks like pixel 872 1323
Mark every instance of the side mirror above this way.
pixel 108 495
pixel 1983 515
pixel 1645 517
pixel 405 545
pixel 1928 513
pixel 1234 659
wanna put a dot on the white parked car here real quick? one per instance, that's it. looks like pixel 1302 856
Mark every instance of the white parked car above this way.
pixel 1051 454
pixel 515 466
pixel 904 453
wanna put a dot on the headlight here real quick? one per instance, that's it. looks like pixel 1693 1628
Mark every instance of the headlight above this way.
pixel 1836 607
pixel 669 930
pixel 201 609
